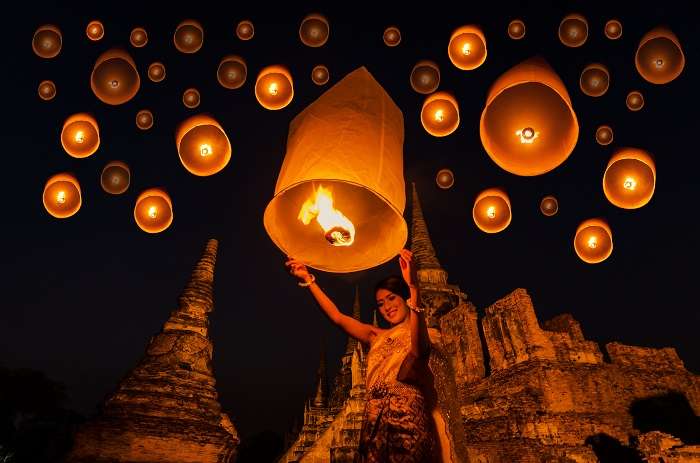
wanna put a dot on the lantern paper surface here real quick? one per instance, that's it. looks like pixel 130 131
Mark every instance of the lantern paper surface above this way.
pixel 630 178
pixel 659 58
pixel 491 212
pixel 62 196
pixel 114 79
pixel 593 241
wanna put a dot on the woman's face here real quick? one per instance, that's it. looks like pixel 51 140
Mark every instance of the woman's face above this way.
pixel 391 306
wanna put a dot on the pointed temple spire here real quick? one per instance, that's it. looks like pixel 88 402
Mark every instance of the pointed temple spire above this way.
pixel 421 246
pixel 320 399
pixel 356 314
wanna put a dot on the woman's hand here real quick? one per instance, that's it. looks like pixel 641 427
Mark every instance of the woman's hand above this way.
pixel 408 267
pixel 298 270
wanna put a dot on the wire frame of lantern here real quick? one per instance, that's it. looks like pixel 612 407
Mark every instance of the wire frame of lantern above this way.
pixel 595 80
pixel 245 30
pixel 314 30
pixel 95 30
pixel 320 75
pixel 191 98
pixel 593 241
pixel 659 58
pixel 144 119
pixel 613 29
pixel 528 126
pixel 156 71
pixel 516 29
pixel 634 100
pixel 232 72
pixel 440 114
pixel 445 179
pixel 114 79
pixel 491 212
pixel 391 36
pixel 425 77
pixel 274 88
pixel 115 178
pixel 80 136
pixel 630 178
pixel 467 48
pixel 47 90
pixel 202 145
pixel 549 205
pixel 138 37
pixel 573 30
pixel 604 135
pixel 62 197
pixel 153 211
pixel 188 36
pixel 47 41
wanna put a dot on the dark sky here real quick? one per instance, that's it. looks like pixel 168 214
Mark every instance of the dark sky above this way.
pixel 82 296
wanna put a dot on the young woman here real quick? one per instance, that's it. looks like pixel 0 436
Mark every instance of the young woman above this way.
pixel 398 425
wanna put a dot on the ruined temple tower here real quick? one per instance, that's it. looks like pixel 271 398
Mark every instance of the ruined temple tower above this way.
pixel 166 409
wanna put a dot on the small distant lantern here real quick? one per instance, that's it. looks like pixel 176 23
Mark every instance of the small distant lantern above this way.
pixel 245 30
pixel 114 79
pixel 202 145
pixel 274 88
pixel 634 100
pixel 153 211
pixel 613 29
pixel 47 41
pixel 47 90
pixel 604 135
pixel 659 58
pixel 391 36
pixel 320 75
pixel 62 196
pixel 595 80
pixel 573 30
pixel 593 241
pixel 491 211
pixel 516 29
pixel 630 178
pixel 95 30
pixel 425 77
pixel 440 114
pixel 232 72
pixel 467 48
pixel 144 119
pixel 156 71
pixel 189 36
pixel 445 179
pixel 80 136
pixel 115 178
pixel 528 126
pixel 190 98
pixel 138 37
pixel 549 206
pixel 314 30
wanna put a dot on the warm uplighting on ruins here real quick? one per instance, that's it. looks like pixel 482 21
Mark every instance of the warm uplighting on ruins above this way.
pixel 440 114
pixel 203 146
pixel 338 229
pixel 630 178
pixel 80 136
pixel 467 48
pixel 593 241
pixel 153 211
pixel 274 88
pixel 62 197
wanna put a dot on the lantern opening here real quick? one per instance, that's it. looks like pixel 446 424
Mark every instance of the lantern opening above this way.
pixel 527 135
pixel 339 230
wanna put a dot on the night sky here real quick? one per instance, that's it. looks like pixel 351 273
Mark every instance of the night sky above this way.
pixel 81 296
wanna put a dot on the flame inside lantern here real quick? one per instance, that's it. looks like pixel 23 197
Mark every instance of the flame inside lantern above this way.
pixel 339 230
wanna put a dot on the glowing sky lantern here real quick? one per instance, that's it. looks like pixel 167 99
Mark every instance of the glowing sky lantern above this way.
pixel 47 41
pixel 47 90
pixel 516 29
pixel 593 241
pixel 445 179
pixel 573 30
pixel 80 136
pixel 440 114
pixel 95 30
pixel 232 72
pixel 153 211
pixel 274 88
pixel 190 98
pixel 115 178
pixel 491 210
pixel 613 29
pixel 144 119
pixel 114 79
pixel 344 160
pixel 467 48
pixel 528 126
pixel 156 71
pixel 314 30
pixel 320 75
pixel 391 36
pixel 425 77
pixel 659 58
pixel 630 178
pixel 595 80
pixel 202 145
pixel 188 36
pixel 138 37
pixel 62 195
pixel 245 30
pixel 634 100
pixel 549 206
pixel 604 135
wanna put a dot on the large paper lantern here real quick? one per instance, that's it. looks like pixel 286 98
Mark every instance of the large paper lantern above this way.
pixel 634 100
pixel 659 58
pixel 549 206
pixel 630 178
pixel 440 114
pixel 156 71
pixel 528 126
pixel 114 79
pixel 153 211
pixel 232 72
pixel 245 30
pixel 144 119
pixel 115 178
pixel 47 41
pixel 80 136
pixel 188 36
pixel 62 195
pixel 138 37
pixel 314 30
pixel 516 29
pixel 491 211
pixel 593 241
pixel 191 98
pixel 604 135
pixel 467 48
pixel 391 36
pixel 573 30
pixel 47 90
pixel 274 88
pixel 340 194
pixel 95 30
pixel 320 75
pixel 595 80
pixel 425 77
pixel 445 179
pixel 613 29
pixel 202 145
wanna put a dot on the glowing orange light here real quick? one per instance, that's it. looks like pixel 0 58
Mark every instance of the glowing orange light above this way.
pixel 491 211
pixel 202 145
pixel 595 80
pixel 630 178
pixel 634 100
pixel 516 29
pixel 320 75
pixel 440 114
pixel 593 241
pixel 467 48
pixel 314 30
pixel 613 29
pixel 245 30
pixel 549 206
pixel 232 72
pixel 425 77
pixel 391 36
pixel 604 135
pixel 47 90
pixel 338 229
pixel 138 37
pixel 659 58
pixel 190 98
pixel 153 211
pixel 47 41
pixel 189 36
pixel 274 88
pixel 115 178
pixel 156 71
pixel 527 135
pixel 573 30
pixel 114 79
pixel 95 30
pixel 62 196
pixel 80 136
pixel 144 119
pixel 445 178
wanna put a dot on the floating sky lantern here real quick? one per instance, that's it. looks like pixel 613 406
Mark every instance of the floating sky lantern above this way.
pixel 274 88
pixel 659 57
pixel 634 100
pixel 573 30
pixel 138 37
pixel 467 48
pixel 47 90
pixel 114 79
pixel 202 145
pixel 630 178
pixel 445 179
pixel 62 195
pixel 156 71
pixel 80 136
pixel 425 77
pixel 144 119
pixel 340 195
pixel 95 30
pixel 320 75
pixel 491 211
pixel 604 135
pixel 613 29
pixel 232 72
pixel 549 205
pixel 47 41
pixel 115 178
pixel 245 30
pixel 593 241
pixel 391 36
pixel 153 211
pixel 595 80
pixel 516 29
pixel 314 30
pixel 190 98
pixel 440 114
pixel 189 36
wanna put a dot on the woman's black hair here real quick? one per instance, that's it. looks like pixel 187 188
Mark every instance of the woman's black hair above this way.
pixel 395 284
